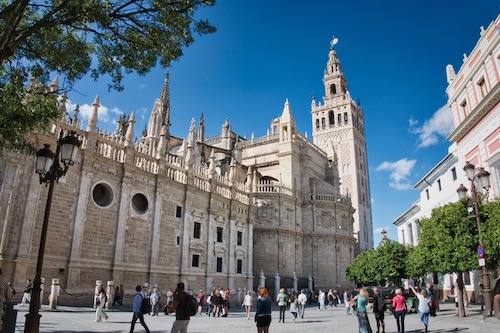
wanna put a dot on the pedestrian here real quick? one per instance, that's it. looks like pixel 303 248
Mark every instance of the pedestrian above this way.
pixel 155 301
pixel 181 322
pixel 495 306
pixel 293 305
pixel 200 300
pixel 302 303
pixel 148 297
pixel 424 307
pixel 217 300
pixel 362 301
pixel 263 313
pixel 480 298
pixel 321 299
pixel 3 289
pixel 281 300
pixel 116 296
pixel 101 300
pixel 27 293
pixel 379 308
pixel 10 292
pixel 347 302
pixel 330 298
pixel 122 294
pixel 137 309
pixel 247 303
pixel 432 299
pixel 399 309
pixel 210 302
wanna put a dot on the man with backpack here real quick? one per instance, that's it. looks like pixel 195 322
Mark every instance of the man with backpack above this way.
pixel 181 322
pixel 379 308
pixel 139 307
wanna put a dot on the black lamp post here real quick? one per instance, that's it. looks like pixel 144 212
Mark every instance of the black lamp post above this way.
pixel 484 179
pixel 50 170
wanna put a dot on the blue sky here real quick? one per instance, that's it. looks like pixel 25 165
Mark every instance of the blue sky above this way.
pixel 393 53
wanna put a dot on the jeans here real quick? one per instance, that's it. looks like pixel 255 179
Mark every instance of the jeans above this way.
pixel 282 312
pixel 302 307
pixel 139 316
pixel 400 320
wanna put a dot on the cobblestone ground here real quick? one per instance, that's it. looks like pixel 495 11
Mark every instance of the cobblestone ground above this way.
pixel 69 319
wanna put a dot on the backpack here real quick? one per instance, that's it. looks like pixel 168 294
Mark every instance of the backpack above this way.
pixel 381 303
pixel 145 307
pixel 191 306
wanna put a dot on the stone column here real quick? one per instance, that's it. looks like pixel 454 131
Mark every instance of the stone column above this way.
pixel 239 298
pixel 84 191
pixel 249 256
pixel 295 282
pixel 110 291
pixel 54 294
pixel 276 283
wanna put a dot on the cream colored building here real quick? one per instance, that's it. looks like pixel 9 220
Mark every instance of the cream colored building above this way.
pixel 208 212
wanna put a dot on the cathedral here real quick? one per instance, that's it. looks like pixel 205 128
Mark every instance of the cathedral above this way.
pixel 225 211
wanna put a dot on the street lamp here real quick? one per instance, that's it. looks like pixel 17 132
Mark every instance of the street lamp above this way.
pixel 484 179
pixel 49 170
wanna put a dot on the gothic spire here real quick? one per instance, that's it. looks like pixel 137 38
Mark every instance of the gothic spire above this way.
pixel 165 101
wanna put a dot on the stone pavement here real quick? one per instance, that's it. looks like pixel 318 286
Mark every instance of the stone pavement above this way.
pixel 73 319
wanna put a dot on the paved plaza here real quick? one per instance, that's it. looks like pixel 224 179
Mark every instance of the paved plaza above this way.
pixel 73 319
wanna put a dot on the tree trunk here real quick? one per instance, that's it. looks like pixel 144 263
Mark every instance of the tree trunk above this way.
pixel 460 294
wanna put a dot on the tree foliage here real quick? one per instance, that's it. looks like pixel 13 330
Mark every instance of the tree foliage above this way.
pixel 450 239
pixel 77 37
pixel 490 233
pixel 384 264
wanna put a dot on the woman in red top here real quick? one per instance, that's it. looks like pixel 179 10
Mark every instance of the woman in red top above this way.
pixel 399 309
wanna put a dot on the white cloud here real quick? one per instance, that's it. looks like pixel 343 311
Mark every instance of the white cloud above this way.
pixel 105 115
pixel 399 171
pixel 439 126
pixel 379 230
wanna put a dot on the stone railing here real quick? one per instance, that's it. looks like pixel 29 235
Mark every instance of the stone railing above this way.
pixel 326 197
pixel 258 141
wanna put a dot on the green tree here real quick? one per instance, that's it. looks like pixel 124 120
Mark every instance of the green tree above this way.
pixel 77 37
pixel 384 264
pixel 392 258
pixel 417 262
pixel 449 238
pixel 363 269
pixel 490 233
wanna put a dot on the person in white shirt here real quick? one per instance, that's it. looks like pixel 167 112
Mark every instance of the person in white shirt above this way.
pixel 302 303
pixel 247 303
pixel 423 307
pixel 321 299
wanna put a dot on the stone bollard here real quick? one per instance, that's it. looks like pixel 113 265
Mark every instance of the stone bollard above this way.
pixel 111 292
pixel 54 294
pixel 98 286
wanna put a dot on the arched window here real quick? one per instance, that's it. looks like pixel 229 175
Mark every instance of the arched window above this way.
pixel 331 117
pixel 333 89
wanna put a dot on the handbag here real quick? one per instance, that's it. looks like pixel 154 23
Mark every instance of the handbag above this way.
pixel 97 301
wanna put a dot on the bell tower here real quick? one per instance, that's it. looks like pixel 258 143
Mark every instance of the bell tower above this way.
pixel 338 129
